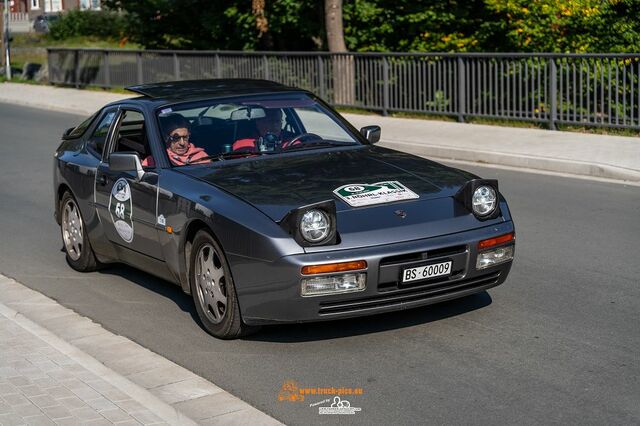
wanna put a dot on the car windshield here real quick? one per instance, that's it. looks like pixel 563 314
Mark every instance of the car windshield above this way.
pixel 263 125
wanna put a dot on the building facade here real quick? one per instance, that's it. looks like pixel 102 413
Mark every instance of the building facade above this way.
pixel 41 7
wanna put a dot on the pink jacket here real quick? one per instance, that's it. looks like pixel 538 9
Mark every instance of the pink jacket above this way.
pixel 192 156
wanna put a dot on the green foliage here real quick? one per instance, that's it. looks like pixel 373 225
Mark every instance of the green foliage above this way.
pixel 377 25
pixel 569 26
pixel 76 23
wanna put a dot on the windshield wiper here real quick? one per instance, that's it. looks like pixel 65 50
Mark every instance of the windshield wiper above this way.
pixel 233 154
pixel 318 144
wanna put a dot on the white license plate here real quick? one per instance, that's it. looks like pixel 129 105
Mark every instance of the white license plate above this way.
pixel 427 271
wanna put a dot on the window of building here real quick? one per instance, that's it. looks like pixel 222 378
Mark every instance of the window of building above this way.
pixel 35 4
pixel 90 4
pixel 52 6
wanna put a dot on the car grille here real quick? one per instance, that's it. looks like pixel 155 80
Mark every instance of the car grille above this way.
pixel 417 256
pixel 409 295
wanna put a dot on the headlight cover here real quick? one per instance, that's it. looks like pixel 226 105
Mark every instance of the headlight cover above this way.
pixel 312 225
pixel 480 197
pixel 484 200
pixel 315 225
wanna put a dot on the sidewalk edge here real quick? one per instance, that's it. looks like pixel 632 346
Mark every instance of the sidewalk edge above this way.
pixel 32 303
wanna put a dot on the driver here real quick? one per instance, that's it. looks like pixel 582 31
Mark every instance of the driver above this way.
pixel 180 150
pixel 269 129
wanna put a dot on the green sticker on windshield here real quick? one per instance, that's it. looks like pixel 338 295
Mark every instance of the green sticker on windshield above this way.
pixel 366 194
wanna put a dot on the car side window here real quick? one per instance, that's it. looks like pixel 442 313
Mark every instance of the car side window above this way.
pixel 131 135
pixel 98 138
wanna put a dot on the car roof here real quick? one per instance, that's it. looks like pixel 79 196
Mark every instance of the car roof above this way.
pixel 189 90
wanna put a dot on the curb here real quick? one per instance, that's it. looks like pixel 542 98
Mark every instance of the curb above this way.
pixel 572 167
pixel 173 393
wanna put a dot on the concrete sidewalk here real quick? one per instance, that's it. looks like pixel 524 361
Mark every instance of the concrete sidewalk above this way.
pixel 57 367
pixel 587 155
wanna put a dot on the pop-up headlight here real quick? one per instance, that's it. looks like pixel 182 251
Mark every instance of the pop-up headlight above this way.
pixel 481 197
pixel 312 225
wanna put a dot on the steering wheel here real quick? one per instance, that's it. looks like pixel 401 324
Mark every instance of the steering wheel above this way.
pixel 302 138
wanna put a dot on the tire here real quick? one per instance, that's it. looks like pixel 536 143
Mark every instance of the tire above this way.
pixel 78 250
pixel 213 290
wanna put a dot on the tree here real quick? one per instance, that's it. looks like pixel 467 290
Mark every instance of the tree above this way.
pixel 342 65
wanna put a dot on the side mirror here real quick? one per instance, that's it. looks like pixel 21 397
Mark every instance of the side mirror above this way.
pixel 126 162
pixel 67 132
pixel 371 133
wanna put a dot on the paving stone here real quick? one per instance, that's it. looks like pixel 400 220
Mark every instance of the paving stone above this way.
pixel 69 421
pixel 248 416
pixel 210 405
pixel 146 417
pixel 19 381
pixel 39 420
pixel 45 382
pixel 59 392
pixel 26 409
pixel 7 388
pixel 72 402
pixel 137 363
pixel 184 390
pixel 32 390
pixel 130 422
pixel 115 415
pixel 4 408
pixel 161 376
pixel 43 401
pixel 101 404
pixel 86 413
pixel 15 399
pixel 11 419
pixel 100 422
pixel 85 392
pixel 57 412
pixel 130 406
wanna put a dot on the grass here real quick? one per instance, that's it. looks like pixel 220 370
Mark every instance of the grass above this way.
pixel 30 47
pixel 33 40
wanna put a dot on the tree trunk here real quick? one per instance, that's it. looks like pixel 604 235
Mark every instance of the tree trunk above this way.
pixel 342 65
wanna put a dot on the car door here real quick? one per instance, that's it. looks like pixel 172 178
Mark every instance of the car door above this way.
pixel 126 204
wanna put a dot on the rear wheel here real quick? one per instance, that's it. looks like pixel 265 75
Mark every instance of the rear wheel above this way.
pixel 80 255
pixel 213 291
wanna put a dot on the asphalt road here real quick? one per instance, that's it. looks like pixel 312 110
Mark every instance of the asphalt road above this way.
pixel 557 343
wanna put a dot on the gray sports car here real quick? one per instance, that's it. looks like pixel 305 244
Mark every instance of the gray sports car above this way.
pixel 267 206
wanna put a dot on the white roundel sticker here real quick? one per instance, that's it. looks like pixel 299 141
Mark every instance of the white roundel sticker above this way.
pixel 121 209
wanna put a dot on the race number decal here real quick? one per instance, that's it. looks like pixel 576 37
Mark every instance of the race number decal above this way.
pixel 366 194
pixel 120 208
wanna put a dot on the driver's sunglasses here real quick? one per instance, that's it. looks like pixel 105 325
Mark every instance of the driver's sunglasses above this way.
pixel 176 138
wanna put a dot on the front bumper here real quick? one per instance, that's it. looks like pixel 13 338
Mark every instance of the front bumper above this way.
pixel 275 297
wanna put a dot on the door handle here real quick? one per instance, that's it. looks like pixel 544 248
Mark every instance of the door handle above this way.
pixel 102 180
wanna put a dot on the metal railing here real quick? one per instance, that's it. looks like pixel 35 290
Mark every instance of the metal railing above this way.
pixel 585 90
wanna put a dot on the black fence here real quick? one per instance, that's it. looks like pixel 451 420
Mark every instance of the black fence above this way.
pixel 585 90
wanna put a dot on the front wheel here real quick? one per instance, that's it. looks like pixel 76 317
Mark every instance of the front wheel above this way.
pixel 213 291
pixel 80 255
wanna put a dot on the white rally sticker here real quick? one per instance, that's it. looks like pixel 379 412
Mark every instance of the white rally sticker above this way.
pixel 121 209
pixel 366 194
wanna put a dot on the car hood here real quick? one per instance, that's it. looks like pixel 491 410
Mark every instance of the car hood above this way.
pixel 276 185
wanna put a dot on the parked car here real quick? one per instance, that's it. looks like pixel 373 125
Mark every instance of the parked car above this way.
pixel 267 206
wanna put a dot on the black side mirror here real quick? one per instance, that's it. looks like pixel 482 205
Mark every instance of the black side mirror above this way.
pixel 371 133
pixel 126 162
pixel 67 132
